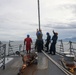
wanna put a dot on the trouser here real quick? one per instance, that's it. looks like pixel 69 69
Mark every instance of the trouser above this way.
pixel 39 45
pixel 47 46
pixel 52 48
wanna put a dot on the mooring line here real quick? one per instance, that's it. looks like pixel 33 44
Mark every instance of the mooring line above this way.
pixel 59 66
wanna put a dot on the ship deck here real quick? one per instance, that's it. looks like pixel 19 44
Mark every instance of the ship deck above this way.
pixel 12 68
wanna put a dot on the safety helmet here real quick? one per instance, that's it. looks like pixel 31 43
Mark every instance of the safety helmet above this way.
pixel 47 33
pixel 39 32
pixel 27 35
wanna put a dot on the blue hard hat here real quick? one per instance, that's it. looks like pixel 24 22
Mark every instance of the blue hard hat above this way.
pixel 39 33
pixel 27 35
pixel 47 33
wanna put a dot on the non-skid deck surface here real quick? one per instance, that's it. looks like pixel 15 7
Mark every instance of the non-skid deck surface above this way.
pixel 12 68
pixel 58 59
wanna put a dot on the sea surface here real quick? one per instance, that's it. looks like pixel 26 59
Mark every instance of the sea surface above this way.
pixel 15 45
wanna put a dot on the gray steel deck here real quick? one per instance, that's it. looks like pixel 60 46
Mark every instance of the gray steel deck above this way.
pixel 12 68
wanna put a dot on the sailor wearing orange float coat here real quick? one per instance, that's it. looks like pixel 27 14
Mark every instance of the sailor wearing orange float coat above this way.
pixel 28 42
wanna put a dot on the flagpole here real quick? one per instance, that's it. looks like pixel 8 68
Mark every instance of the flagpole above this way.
pixel 39 13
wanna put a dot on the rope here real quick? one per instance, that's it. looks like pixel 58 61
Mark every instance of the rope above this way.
pixel 59 66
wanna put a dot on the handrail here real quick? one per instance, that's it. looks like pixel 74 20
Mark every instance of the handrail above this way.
pixel 12 47
pixel 70 48
pixel 2 55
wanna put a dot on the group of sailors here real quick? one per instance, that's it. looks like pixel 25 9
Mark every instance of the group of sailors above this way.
pixel 39 44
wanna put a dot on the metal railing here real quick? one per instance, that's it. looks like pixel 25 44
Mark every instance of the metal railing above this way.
pixel 2 55
pixel 12 47
pixel 68 46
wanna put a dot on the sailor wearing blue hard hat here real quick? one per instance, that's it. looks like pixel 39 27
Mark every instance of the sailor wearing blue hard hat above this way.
pixel 28 35
pixel 48 39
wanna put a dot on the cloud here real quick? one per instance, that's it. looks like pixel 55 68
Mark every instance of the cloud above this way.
pixel 20 17
pixel 72 7
pixel 56 25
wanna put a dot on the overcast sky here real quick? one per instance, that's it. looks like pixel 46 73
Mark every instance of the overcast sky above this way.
pixel 20 17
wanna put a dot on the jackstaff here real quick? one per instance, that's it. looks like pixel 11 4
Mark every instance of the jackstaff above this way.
pixel 38 13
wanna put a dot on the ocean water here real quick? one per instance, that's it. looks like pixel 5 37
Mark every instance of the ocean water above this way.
pixel 15 46
pixel 66 46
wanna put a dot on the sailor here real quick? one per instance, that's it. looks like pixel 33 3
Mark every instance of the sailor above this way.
pixel 39 45
pixel 39 41
pixel 48 40
pixel 28 42
pixel 53 44
pixel 39 34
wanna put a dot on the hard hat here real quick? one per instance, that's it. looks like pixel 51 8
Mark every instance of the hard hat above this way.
pixel 47 33
pixel 27 35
